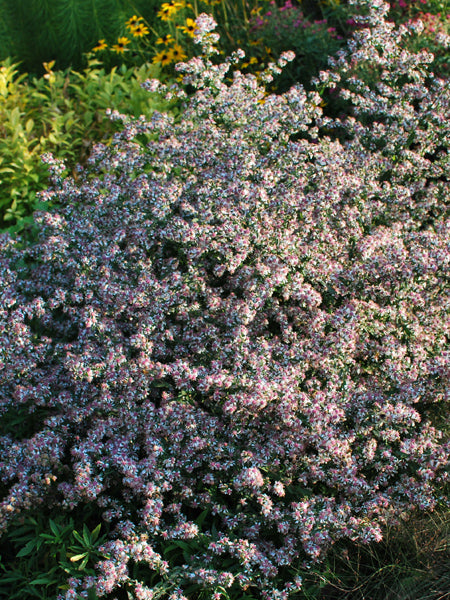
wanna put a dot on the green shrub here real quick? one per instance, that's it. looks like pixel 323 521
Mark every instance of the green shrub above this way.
pixel 62 112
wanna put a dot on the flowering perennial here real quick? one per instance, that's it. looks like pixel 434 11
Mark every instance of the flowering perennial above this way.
pixel 233 331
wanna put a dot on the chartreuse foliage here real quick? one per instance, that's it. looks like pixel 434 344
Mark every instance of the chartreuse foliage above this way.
pixel 230 337
pixel 63 112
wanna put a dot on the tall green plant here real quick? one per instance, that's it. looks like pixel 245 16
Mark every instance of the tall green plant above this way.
pixel 61 30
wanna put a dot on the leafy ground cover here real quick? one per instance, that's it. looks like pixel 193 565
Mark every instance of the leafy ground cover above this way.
pixel 226 355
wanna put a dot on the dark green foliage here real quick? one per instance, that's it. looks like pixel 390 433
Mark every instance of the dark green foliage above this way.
pixel 61 30
pixel 40 553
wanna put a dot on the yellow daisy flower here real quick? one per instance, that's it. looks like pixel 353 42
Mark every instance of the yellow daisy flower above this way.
pixel 178 53
pixel 165 39
pixel 101 45
pixel 190 28
pixel 165 57
pixel 120 46
pixel 167 11
pixel 140 30
pixel 134 21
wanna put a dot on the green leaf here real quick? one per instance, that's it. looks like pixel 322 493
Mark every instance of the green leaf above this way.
pixel 170 548
pixel 28 549
pixel 95 533
pixel 29 125
pixel 92 594
pixel 43 579
pixel 14 117
pixel 54 527
pixel 86 535
pixel 78 537
pixel 202 516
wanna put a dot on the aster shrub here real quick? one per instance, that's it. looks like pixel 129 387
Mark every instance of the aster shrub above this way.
pixel 233 335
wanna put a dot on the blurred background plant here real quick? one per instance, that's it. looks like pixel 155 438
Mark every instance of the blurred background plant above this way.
pixel 262 28
pixel 121 43
pixel 313 29
pixel 38 31
pixel 281 27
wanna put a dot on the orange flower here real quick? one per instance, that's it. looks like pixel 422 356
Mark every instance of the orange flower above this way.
pixel 165 39
pixel 134 21
pixel 178 53
pixel 167 11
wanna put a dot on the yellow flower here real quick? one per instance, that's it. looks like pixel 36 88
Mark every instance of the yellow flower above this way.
pixel 134 21
pixel 139 30
pixel 253 60
pixel 169 9
pixel 165 57
pixel 178 53
pixel 190 28
pixel 120 46
pixel 101 45
pixel 165 39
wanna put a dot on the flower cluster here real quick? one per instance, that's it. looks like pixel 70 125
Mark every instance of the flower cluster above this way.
pixel 237 324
